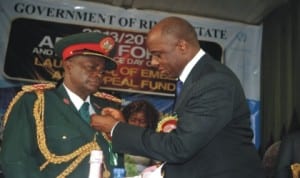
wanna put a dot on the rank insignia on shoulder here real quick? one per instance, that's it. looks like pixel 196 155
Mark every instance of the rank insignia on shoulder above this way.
pixel 40 86
pixel 107 97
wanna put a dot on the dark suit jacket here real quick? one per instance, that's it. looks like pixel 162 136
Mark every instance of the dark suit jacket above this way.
pixel 289 153
pixel 213 138
pixel 65 132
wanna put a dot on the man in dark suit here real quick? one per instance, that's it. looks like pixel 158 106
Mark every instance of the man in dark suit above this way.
pixel 213 138
pixel 45 135
pixel 289 154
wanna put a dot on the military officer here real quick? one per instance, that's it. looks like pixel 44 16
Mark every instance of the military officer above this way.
pixel 45 135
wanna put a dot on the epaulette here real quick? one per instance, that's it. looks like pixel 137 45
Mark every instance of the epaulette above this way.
pixel 25 89
pixel 40 86
pixel 107 96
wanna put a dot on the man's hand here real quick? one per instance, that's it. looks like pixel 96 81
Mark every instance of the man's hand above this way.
pixel 107 120
pixel 102 123
pixel 116 114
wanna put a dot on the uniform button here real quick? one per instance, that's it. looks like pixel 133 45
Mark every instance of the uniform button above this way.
pixel 64 137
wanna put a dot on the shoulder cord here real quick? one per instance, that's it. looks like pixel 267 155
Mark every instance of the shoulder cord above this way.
pixel 79 154
pixel 11 104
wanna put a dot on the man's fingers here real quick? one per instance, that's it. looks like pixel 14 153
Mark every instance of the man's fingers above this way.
pixel 116 114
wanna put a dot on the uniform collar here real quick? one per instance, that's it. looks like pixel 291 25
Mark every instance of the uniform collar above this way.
pixel 76 100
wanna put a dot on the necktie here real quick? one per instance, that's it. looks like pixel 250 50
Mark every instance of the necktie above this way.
pixel 179 85
pixel 84 112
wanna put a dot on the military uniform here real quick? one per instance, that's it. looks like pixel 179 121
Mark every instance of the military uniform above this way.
pixel 65 131
pixel 45 135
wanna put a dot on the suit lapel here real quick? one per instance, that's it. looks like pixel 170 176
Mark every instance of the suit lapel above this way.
pixel 65 99
pixel 196 73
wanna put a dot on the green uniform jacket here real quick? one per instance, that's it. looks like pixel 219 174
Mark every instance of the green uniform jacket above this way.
pixel 65 132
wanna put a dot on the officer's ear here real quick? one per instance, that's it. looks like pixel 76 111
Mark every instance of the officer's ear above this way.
pixel 66 64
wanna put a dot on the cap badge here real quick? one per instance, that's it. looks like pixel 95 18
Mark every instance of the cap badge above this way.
pixel 106 44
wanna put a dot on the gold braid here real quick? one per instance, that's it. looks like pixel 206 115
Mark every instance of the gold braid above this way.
pixel 25 88
pixel 10 106
pixel 79 154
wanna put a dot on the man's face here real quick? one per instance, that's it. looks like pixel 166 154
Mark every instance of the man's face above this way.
pixel 166 56
pixel 83 74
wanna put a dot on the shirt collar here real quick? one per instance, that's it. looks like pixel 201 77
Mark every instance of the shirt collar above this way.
pixel 76 100
pixel 188 68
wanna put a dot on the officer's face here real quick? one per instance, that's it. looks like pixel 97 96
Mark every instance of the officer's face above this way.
pixel 166 54
pixel 83 74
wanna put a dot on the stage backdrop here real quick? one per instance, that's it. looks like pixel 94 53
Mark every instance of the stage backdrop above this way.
pixel 30 28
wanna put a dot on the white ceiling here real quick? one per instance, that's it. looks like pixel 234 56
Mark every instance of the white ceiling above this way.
pixel 246 11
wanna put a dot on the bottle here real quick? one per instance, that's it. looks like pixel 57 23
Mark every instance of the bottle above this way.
pixel 96 160
pixel 118 173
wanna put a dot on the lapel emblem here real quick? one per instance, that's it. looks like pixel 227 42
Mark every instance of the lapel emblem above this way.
pixel 66 101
